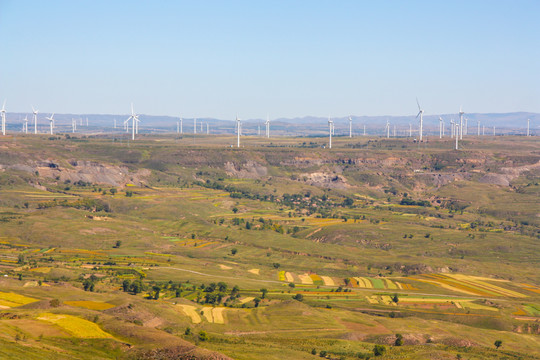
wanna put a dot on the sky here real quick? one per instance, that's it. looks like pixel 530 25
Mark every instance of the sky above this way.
pixel 277 58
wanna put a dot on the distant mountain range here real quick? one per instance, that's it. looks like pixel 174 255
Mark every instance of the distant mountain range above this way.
pixel 505 123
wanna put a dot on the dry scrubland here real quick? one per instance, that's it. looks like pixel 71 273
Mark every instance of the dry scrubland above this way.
pixel 182 248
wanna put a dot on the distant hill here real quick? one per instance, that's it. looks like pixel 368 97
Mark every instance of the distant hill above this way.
pixel 505 123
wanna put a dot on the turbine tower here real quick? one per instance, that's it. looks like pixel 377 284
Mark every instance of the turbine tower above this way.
pixel 238 131
pixel 364 129
pixel 267 123
pixel 35 112
pixel 387 128
pixel 440 127
pixel 4 118
pixel 330 131
pixel 478 128
pixel 194 125
pixel 207 129
pixel 452 128
pixel 421 114
pixel 181 126
pixel 528 124
pixel 410 130
pixel 456 133
pixel 461 123
pixel 25 125
pixel 51 123
pixel 73 125
pixel 350 127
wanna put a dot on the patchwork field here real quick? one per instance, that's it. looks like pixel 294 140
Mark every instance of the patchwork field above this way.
pixel 287 250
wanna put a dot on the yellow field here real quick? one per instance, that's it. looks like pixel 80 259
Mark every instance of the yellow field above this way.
pixel 14 300
pixel 306 279
pixel 192 312
pixel 207 313
pixel 76 326
pixel 289 277
pixel 92 305
pixel 328 280
pixel 218 315
pixel 44 270
pixel 254 271
pixel 246 299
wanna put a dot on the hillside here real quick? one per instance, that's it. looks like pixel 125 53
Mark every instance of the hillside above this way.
pixel 182 247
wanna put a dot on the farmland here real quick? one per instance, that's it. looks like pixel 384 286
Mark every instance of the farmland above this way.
pixel 177 245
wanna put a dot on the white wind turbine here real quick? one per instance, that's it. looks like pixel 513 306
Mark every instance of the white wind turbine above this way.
pixel 238 131
pixel 461 112
pixel 421 114
pixel 478 131
pixel 51 123
pixel 135 119
pixel 387 129
pixel 441 128
pixel 330 131
pixel 364 129
pixel 4 118
pixel 207 129
pixel 456 131
pixel 267 123
pixel 194 125
pixel 74 124
pixel 410 130
pixel 350 127
pixel 181 126
pixel 35 112
pixel 528 126
pixel 452 128
pixel 25 124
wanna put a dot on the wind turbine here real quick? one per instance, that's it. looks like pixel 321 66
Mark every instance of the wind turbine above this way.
pixel 456 133
pixel 25 125
pixel 194 125
pixel 410 130
pixel 135 119
pixel 330 130
pixel 350 127
pixel 461 123
pixel 528 126
pixel 420 113
pixel 267 123
pixel 440 127
pixel 181 126
pixel 74 125
pixel 478 128
pixel 35 112
pixel 207 129
pixel 387 128
pixel 394 130
pixel 364 129
pixel 238 131
pixel 115 123
pixel 4 118
pixel 177 127
pixel 51 122
pixel 452 128
pixel 466 129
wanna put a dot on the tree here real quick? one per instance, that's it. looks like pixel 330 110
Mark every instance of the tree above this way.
pixel 264 292
pixel 117 244
pixel 395 298
pixel 498 343
pixel 257 301
pixel 156 289
pixel 113 191
pixel 313 352
pixel 235 210
pixel 379 350
pixel 203 335
pixel 125 285
pixel 222 287
pixel 234 251
pixel 298 297
pixel 399 340
pixel 187 331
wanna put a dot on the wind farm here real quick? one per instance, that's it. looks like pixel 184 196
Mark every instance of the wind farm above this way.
pixel 265 180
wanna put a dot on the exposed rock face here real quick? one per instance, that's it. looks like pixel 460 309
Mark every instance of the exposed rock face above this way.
pixel 326 180
pixel 508 174
pixel 250 170
pixel 87 171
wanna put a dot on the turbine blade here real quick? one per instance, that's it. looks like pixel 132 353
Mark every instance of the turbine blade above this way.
pixel 417 103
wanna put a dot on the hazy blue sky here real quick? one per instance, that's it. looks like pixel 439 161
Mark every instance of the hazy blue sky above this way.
pixel 286 58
